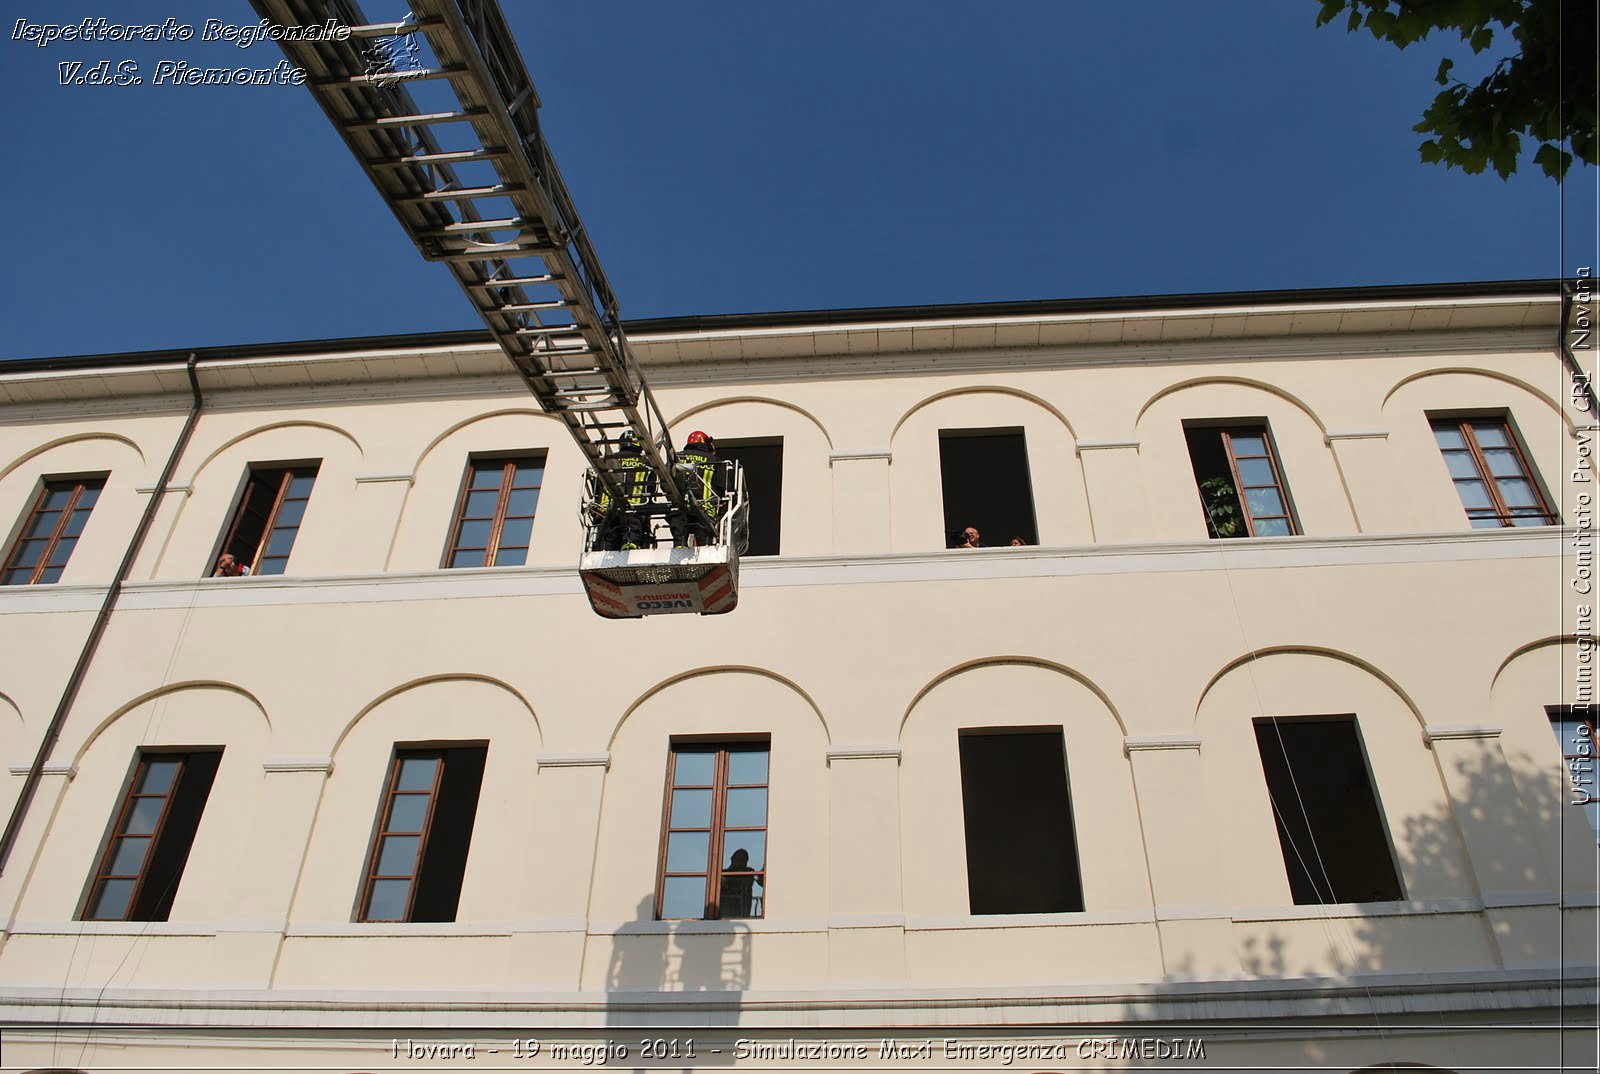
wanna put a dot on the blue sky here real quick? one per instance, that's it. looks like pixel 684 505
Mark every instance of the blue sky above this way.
pixel 742 157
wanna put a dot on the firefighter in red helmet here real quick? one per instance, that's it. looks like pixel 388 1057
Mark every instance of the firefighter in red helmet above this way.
pixel 700 475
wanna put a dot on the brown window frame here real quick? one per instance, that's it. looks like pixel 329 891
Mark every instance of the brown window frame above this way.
pixel 441 754
pixel 1486 477
pixel 1279 485
pixel 714 873
pixel 287 472
pixel 492 549
pixel 118 832
pixel 78 486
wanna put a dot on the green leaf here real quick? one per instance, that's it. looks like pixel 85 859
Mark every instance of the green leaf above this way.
pixel 1355 21
pixel 1430 152
pixel 1554 160
pixel 1444 71
pixel 1481 38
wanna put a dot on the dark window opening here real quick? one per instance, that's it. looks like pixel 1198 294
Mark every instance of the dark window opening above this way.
pixel 1240 481
pixel 494 515
pixel 1329 825
pixel 148 845
pixel 714 841
pixel 268 517
pixel 984 476
pixel 51 531
pixel 419 853
pixel 1491 473
pixel 1022 850
pixel 763 482
pixel 1577 735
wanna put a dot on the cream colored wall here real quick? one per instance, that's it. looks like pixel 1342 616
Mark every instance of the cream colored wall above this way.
pixel 862 682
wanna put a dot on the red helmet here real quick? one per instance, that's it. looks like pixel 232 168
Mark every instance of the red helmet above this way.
pixel 698 437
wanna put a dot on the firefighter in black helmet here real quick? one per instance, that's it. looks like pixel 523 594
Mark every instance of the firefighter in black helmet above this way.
pixel 624 526
pixel 701 478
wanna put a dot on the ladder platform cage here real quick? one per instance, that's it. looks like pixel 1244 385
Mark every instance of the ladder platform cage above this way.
pixel 663 580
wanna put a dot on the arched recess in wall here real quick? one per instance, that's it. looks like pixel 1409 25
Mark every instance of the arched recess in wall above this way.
pixel 715 704
pixel 1022 694
pixel 327 541
pixel 1545 678
pixel 444 711
pixel 182 717
pixel 1289 683
pixel 806 510
pixel 916 494
pixel 1314 483
pixel 1537 421
pixel 15 751
pixel 105 534
pixel 432 501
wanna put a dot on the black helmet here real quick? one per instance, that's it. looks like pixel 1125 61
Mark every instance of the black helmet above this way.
pixel 628 442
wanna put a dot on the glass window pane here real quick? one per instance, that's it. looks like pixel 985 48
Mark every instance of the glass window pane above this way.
pixel 1503 462
pixel 128 858
pixel 688 852
pixel 1264 502
pixel 690 809
pixel 747 766
pixel 1248 445
pixel 111 904
pixel 18 575
pixel 473 535
pixel 290 512
pixel 44 524
pixel 1461 464
pixel 75 523
pixel 529 474
pixel 522 502
pixel 1592 811
pixel 158 775
pixel 683 896
pixel 398 855
pixel 57 498
pixel 747 807
pixel 387 901
pixel 694 769
pixel 416 773
pixel 742 896
pixel 1473 494
pixel 486 477
pixel 300 487
pixel 1575 736
pixel 1449 437
pixel 89 496
pixel 1530 520
pixel 280 543
pixel 29 552
pixel 510 557
pixel 1515 491
pixel 407 812
pixel 1256 472
pixel 743 851
pixel 1273 527
pixel 143 815
pixel 1490 434
pixel 62 551
pixel 1486 522
pixel 50 574
pixel 467 557
pixel 481 504
pixel 274 565
pixel 515 532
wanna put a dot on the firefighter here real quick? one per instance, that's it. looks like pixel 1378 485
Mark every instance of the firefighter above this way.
pixel 703 482
pixel 624 526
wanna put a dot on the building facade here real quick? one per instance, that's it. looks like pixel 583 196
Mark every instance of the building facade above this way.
pixel 1255 739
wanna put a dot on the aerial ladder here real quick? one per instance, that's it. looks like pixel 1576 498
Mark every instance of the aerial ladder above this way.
pixel 468 174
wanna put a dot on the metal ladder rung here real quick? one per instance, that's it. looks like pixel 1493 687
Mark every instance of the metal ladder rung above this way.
pixel 403 28
pixel 420 120
pixel 552 330
pixel 460 156
pixel 389 78
pixel 470 227
pixel 520 281
pixel 530 307
pixel 495 251
pixel 461 193
pixel 567 373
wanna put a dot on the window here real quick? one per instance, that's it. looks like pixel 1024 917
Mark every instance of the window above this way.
pixel 51 531
pixel 149 841
pixel 268 518
pixel 714 847
pixel 1490 473
pixel 1241 484
pixel 494 518
pixel 419 851
pixel 763 482
pixel 1022 850
pixel 1577 737
pixel 984 476
pixel 1329 825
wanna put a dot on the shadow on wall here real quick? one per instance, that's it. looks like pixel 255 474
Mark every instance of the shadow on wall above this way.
pixel 1511 813
pixel 703 969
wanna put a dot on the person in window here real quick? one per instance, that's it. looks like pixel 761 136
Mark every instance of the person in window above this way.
pixel 970 538
pixel 229 567
pixel 702 481
pixel 623 524
pixel 1018 542
pixel 739 897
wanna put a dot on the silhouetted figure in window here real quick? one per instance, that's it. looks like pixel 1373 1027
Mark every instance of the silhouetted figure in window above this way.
pixel 739 897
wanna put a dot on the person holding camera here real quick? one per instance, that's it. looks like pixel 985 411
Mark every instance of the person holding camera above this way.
pixel 970 538
pixel 229 567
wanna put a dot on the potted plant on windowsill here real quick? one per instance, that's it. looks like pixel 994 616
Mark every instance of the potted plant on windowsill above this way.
pixel 1223 515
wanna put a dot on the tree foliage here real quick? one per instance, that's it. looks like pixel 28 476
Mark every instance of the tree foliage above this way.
pixel 1544 90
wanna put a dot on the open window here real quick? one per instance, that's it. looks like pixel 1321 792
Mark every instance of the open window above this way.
pixel 714 841
pixel 148 843
pixel 762 460
pixel 50 532
pixel 494 513
pixel 419 850
pixel 1330 827
pixel 1022 848
pixel 1240 480
pixel 267 520
pixel 1491 473
pixel 986 483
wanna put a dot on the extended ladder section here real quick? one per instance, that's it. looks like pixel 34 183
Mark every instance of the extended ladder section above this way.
pixel 440 112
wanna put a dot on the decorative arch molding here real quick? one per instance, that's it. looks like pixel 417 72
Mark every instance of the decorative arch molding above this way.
pixel 1007 661
pixel 765 673
pixel 430 680
pixel 1239 382
pixel 61 441
pixel 1533 646
pixel 167 691
pixel 986 389
pixel 7 704
pixel 1488 374
pixel 701 408
pixel 270 427
pixel 1309 650
pixel 474 420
